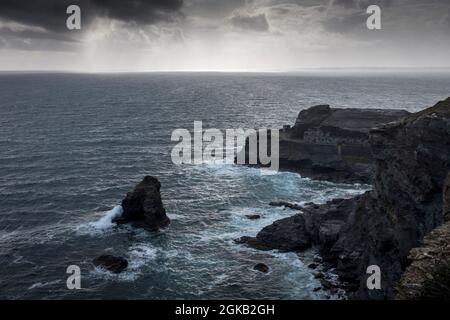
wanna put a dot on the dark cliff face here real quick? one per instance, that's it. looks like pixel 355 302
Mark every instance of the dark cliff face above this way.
pixel 412 161
pixel 408 201
pixel 446 199
pixel 428 274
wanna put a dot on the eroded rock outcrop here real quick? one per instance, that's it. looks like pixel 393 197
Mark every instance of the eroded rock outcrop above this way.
pixel 331 143
pixel 421 279
pixel 412 159
pixel 143 207
pixel 316 224
pixel 428 275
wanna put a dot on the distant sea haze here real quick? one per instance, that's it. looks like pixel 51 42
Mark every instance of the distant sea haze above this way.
pixel 72 146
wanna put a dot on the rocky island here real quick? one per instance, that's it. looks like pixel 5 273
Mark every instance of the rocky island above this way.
pixel 408 201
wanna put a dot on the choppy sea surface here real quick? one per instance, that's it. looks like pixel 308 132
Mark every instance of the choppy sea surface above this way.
pixel 72 145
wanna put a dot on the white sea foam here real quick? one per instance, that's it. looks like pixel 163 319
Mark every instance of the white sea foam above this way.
pixel 174 216
pixel 103 224
pixel 106 221
pixel 139 256
pixel 43 284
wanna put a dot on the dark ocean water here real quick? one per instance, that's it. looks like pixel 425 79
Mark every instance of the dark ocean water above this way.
pixel 72 145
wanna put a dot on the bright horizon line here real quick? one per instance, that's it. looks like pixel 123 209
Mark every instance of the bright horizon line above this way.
pixel 404 69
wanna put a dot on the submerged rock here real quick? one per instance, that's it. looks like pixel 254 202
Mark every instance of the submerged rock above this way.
pixel 326 284
pixel 253 216
pixel 111 263
pixel 319 275
pixel 285 204
pixel 261 267
pixel 253 242
pixel 143 207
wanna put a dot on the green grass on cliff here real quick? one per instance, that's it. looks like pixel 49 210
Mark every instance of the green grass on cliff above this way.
pixel 442 108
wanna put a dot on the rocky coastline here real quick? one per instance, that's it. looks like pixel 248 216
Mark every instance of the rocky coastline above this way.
pixel 411 161
pixel 330 143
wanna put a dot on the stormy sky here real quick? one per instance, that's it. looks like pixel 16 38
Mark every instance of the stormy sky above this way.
pixel 222 35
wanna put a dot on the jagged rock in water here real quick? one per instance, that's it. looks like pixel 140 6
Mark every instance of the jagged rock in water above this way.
pixel 111 263
pixel 313 265
pixel 261 267
pixel 315 224
pixel 331 143
pixel 143 207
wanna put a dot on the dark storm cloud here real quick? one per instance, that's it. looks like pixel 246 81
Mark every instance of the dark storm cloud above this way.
pixel 362 4
pixel 346 3
pixel 138 11
pixel 51 14
pixel 35 40
pixel 345 23
pixel 253 23
pixel 302 3
pixel 447 20
pixel 44 21
pixel 214 8
pixel 354 16
pixel 10 33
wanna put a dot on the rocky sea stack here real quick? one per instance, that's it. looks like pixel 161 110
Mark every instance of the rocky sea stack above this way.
pixel 143 207
pixel 408 201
